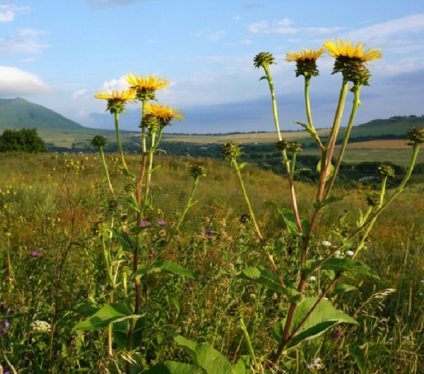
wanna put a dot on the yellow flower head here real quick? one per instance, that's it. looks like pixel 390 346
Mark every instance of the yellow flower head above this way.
pixel 161 114
pixel 304 55
pixel 351 60
pixel 338 48
pixel 116 100
pixel 305 61
pixel 146 86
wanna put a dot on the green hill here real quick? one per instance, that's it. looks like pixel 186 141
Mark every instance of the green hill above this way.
pixel 19 113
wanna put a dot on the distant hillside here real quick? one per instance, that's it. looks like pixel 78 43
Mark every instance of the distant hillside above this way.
pixel 398 125
pixel 19 113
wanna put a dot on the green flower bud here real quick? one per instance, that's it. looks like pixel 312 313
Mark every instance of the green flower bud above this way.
pixel 415 136
pixel 230 151
pixel 197 171
pixel 373 199
pixel 386 171
pixel 294 147
pixel 263 59
pixel 99 141
pixel 282 145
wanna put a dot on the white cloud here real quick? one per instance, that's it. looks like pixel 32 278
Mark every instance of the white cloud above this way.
pixel 397 27
pixel 79 93
pixel 8 12
pixel 25 41
pixel 284 26
pixel 214 36
pixel 116 84
pixel 15 82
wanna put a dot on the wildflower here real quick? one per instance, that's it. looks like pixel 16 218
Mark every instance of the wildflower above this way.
pixel 335 334
pixel 162 223
pixel 35 254
pixel 263 59
pixel 337 254
pixel 144 224
pixel 282 145
pixel 294 147
pixel 315 365
pixel 386 171
pixel 326 243
pixel 99 141
pixel 160 115
pixel 145 87
pixel 351 60
pixel 306 61
pixel 4 328
pixel 230 151
pixel 40 327
pixel 373 199
pixel 197 171
pixel 116 100
pixel 349 253
pixel 209 233
pixel 312 278
pixel 415 136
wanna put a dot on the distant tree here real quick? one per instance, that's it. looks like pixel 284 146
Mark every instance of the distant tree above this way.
pixel 24 140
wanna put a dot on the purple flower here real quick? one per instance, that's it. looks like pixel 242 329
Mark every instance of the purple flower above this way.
pixel 35 254
pixel 3 330
pixel 209 233
pixel 162 223
pixel 144 224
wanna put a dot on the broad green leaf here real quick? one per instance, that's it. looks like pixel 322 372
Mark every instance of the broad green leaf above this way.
pixel 343 288
pixel 341 265
pixel 325 316
pixel 290 219
pixel 128 244
pixel 106 315
pixel 171 267
pixel 329 200
pixel 120 333
pixel 207 357
pixel 86 309
pixel 265 278
pixel 174 367
pixel 330 170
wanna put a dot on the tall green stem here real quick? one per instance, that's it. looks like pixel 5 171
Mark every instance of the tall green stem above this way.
pixel 246 197
pixel 274 102
pixel 118 141
pixel 312 129
pixel 356 103
pixel 102 155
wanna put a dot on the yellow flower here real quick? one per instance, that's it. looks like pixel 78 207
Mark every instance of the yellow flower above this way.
pixel 146 86
pixel 338 48
pixel 123 95
pixel 116 100
pixel 305 61
pixel 351 60
pixel 306 54
pixel 164 112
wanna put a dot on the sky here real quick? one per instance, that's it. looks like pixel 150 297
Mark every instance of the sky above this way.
pixel 59 53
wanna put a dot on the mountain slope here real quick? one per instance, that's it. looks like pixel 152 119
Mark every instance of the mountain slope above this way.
pixel 19 113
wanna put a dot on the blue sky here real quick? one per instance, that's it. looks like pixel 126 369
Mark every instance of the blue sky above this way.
pixel 59 53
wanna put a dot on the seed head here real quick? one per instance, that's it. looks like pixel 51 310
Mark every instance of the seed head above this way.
pixel 415 136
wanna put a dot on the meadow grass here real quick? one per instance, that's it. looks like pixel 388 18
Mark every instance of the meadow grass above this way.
pixel 52 209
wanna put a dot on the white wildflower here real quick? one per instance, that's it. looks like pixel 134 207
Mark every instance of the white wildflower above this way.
pixel 315 365
pixel 40 327
pixel 312 278
pixel 337 254
pixel 326 243
pixel 349 253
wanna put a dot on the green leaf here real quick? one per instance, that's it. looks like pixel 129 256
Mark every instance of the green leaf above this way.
pixel 308 129
pixel 325 316
pixel 207 357
pixel 290 219
pixel 86 309
pixel 330 170
pixel 264 277
pixel 343 288
pixel 329 200
pixel 120 333
pixel 174 367
pixel 109 313
pixel 128 244
pixel 170 267
pixel 341 265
